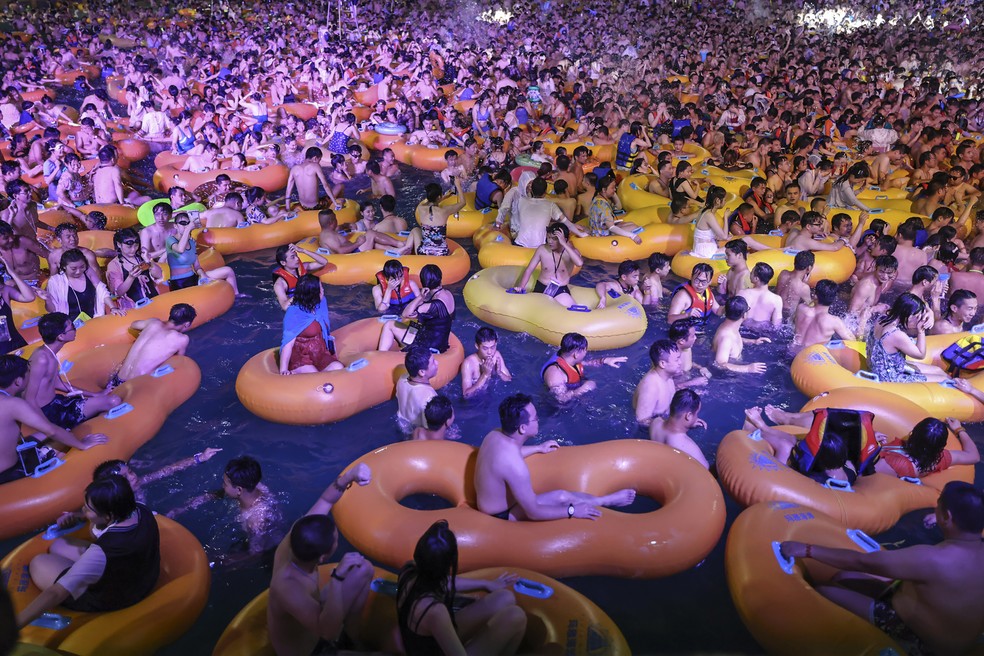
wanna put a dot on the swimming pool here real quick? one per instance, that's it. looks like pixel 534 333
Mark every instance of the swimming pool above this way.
pixel 685 613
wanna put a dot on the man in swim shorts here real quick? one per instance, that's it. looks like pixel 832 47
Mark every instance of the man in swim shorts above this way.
pixel 929 598
pixel 45 378
pixel 556 259
pixel 502 477
pixel 305 178
pixel 157 342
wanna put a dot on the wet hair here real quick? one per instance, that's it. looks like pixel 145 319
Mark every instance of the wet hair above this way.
pixel 326 217
pixel 393 269
pixel 908 231
pixel 958 298
pixel 658 261
pixel 559 227
pixel 52 325
pixel 417 360
pixel 826 292
pixel 762 272
pixel 837 220
pixel 714 194
pixel 738 247
pixel 926 443
pixel 307 292
pixel 701 269
pixel 313 153
pixel 684 401
pixel 182 313
pixel 433 192
pixel 387 203
pixel 627 268
pixel 312 537
pixel 432 572
pixel 965 503
pixel 572 342
pixel 680 329
pixel 661 349
pixel 925 273
pixel 485 334
pixel 108 468
pixel 111 497
pixel 888 244
pixel 512 412
pixel 903 309
pixel 12 367
pixel 438 411
pixel 244 472
pixel 832 453
pixel 431 276
pixel 97 219
pixel 948 252
pixel 735 308
pixel 888 262
pixel 68 227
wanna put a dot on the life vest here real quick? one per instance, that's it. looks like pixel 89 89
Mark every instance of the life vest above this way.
pixel 483 192
pixel 624 156
pixel 966 354
pixel 746 227
pixel 703 303
pixel 289 277
pixel 854 426
pixel 574 374
pixel 403 295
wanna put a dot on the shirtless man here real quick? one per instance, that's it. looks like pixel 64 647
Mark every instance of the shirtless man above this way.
pixel 390 222
pixel 414 390
pixel 928 286
pixel 885 164
pixel 728 342
pixel 153 238
pixel 379 184
pixel 793 286
pixel 207 160
pixel 737 278
pixel 68 238
pixel 672 431
pixel 16 412
pixel 815 324
pixel 229 215
pixel 87 142
pixel 438 419
pixel 812 224
pixel 652 283
pixel 332 241
pixel 764 305
pixel 930 598
pixel 22 254
pixel 653 393
pixel 305 177
pixel 107 181
pixel 22 213
pixel 157 342
pixel 502 477
pixel 626 282
pixel 301 612
pixel 45 378
pixel 866 295
pixel 484 364
pixel 909 257
pixel 556 259
pixel 563 374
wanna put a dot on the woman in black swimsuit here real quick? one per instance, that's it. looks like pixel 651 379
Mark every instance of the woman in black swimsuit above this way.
pixel 433 621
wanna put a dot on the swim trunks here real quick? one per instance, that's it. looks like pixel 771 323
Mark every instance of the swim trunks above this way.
pixel 884 617
pixel 552 290
pixel 14 473
pixel 65 411
pixel 183 283
pixel 115 381
pixel 505 513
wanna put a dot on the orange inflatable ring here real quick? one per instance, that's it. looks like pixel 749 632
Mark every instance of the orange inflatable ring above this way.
pixel 567 622
pixel 38 94
pixel 750 473
pixel 600 152
pixel 270 178
pixel 826 367
pixel 467 220
pixel 656 236
pixel 29 503
pixel 130 147
pixel 209 301
pixel 775 598
pixel 88 71
pixel 117 216
pixel 356 268
pixel 671 539
pixel 258 236
pixel 429 159
pixel 140 630
pixel 303 111
pixel 369 379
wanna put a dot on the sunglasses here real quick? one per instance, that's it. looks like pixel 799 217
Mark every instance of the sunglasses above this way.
pixel 129 242
pixel 182 222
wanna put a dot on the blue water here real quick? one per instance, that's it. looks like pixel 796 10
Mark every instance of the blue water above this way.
pixel 686 613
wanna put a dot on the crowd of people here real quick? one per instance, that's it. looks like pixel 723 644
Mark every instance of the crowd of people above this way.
pixel 765 88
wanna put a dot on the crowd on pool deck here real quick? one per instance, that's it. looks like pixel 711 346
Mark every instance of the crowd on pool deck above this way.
pixel 763 88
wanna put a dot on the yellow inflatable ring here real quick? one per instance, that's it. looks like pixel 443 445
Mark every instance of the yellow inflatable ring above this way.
pixel 140 630
pixel 750 473
pixel 656 236
pixel 775 598
pixel 634 196
pixel 826 367
pixel 467 220
pixel 622 321
pixel 369 379
pixel 258 236
pixel 361 267
pixel 671 539
pixel 271 178
pixel 565 623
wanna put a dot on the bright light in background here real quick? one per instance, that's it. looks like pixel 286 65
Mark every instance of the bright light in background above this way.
pixel 844 20
pixel 499 17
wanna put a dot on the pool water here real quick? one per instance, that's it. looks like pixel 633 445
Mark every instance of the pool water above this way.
pixel 686 613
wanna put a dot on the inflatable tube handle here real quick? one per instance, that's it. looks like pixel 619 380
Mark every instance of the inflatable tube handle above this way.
pixel 533 589
pixel 785 564
pixel 47 467
pixel 977 329
pixel 881 197
pixel 911 479
pixel 838 484
pixel 485 210
pixel 290 216
pixel 323 251
pixel 119 411
pixel 863 540
pixel 358 364
pixel 835 344
pixel 383 587
pixel 868 375
pixel 775 233
pixel 949 384
pixel 876 210
pixel 683 158
pixel 579 308
pixel 162 371
pixel 638 230
pixel 52 621
pixel 874 188
pixel 791 251
pixel 389 317
pixel 404 233
pixel 392 253
pixel 634 186
pixel 144 302
pixel 755 435
pixel 31 323
pixel 242 224
pixel 54 531
pixel 510 290
pixel 717 256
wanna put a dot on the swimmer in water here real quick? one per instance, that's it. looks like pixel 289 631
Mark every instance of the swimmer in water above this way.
pixel 815 324
pixel 414 389
pixel 729 343
pixel 438 418
pixel 479 368
pixel 563 374
pixel 157 342
pixel 764 305
pixel 672 431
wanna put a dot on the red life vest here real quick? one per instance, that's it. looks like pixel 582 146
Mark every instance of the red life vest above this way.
pixel 289 277
pixel 404 294
pixel 854 426
pixel 574 374
pixel 702 303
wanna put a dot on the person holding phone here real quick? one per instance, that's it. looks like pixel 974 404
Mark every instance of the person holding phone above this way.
pixel 131 278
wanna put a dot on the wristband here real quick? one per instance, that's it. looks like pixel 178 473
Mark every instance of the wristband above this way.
pixel 570 511
pixel 198 458
pixel 334 575
pixel 341 488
